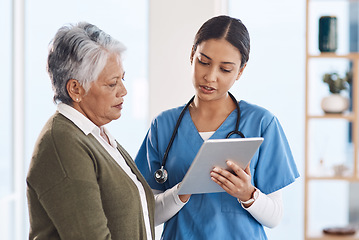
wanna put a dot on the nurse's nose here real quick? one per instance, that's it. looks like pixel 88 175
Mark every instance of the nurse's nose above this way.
pixel 211 75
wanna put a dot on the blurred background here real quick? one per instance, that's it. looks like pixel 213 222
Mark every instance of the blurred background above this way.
pixel 158 35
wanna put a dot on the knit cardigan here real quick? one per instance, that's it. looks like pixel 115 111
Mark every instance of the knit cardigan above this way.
pixel 76 190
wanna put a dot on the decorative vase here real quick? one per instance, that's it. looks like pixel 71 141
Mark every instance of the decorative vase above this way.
pixel 335 103
pixel 328 34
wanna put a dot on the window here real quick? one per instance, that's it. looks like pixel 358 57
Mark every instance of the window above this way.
pixel 124 20
pixel 7 194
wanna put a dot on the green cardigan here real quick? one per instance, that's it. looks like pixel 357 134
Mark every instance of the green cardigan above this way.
pixel 76 190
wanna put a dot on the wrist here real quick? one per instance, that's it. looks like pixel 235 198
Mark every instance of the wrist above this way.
pixel 253 198
pixel 184 197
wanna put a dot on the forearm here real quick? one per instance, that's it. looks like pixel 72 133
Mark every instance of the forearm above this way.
pixel 267 209
pixel 167 204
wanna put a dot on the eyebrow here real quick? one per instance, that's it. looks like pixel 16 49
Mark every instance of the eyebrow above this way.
pixel 118 76
pixel 211 59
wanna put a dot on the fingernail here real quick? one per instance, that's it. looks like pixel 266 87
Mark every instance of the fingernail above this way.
pixel 215 169
pixel 229 162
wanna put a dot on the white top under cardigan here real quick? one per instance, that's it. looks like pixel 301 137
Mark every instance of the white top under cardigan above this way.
pixel 267 209
pixel 89 127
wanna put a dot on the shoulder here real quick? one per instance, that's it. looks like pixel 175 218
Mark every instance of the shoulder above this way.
pixel 45 169
pixel 62 150
pixel 60 141
pixel 59 130
pixel 258 118
pixel 253 110
pixel 169 116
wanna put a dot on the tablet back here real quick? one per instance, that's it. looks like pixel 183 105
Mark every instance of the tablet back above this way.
pixel 215 152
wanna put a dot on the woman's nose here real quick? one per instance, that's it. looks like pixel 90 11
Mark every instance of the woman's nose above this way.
pixel 121 90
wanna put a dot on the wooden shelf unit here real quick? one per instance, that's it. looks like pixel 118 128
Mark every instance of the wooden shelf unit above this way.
pixel 352 117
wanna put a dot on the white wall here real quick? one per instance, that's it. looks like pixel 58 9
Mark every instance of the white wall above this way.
pixel 172 27
pixel 275 79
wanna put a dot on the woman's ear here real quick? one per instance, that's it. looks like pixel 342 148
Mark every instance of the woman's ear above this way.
pixel 75 90
pixel 241 71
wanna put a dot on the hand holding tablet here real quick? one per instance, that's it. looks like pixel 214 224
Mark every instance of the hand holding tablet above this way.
pixel 215 153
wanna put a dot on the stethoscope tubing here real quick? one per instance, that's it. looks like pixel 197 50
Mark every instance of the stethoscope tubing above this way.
pixel 161 174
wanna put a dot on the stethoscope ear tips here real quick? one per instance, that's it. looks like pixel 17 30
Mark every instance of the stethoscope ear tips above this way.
pixel 161 175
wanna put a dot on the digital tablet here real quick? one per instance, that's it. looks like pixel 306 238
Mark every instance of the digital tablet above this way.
pixel 215 152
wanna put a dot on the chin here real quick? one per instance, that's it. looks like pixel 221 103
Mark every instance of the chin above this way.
pixel 117 116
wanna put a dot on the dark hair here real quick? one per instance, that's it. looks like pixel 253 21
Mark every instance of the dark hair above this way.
pixel 228 28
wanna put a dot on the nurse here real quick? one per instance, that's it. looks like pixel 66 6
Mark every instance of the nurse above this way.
pixel 253 196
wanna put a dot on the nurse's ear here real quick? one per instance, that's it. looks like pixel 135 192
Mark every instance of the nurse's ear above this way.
pixel 192 54
pixel 241 71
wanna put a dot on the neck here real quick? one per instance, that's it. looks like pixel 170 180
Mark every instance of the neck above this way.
pixel 212 107
pixel 209 115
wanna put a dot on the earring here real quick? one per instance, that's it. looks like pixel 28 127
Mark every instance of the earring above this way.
pixel 77 99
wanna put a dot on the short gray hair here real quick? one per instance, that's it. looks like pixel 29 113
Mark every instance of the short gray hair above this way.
pixel 79 51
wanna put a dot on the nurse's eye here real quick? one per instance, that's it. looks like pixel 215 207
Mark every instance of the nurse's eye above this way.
pixel 226 70
pixel 202 62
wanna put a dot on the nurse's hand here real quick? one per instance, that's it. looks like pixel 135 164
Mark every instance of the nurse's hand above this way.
pixel 238 184
pixel 184 198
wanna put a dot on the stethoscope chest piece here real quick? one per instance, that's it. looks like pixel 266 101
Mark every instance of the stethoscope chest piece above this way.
pixel 161 175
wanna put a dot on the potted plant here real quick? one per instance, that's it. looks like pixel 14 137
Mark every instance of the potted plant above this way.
pixel 335 102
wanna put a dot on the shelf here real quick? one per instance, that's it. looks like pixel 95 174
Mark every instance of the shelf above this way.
pixel 333 178
pixel 330 139
pixel 329 237
pixel 334 55
pixel 322 236
pixel 333 0
pixel 346 116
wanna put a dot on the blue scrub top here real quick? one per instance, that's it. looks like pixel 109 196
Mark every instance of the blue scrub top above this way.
pixel 216 215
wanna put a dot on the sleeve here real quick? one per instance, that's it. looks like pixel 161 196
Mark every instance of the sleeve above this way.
pixel 267 209
pixel 148 159
pixel 167 204
pixel 275 167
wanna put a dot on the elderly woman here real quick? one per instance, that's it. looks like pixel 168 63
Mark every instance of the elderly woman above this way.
pixel 81 183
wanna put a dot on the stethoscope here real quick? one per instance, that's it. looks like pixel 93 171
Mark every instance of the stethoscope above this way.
pixel 161 174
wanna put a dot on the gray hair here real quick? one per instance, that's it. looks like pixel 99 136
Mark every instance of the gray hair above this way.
pixel 79 51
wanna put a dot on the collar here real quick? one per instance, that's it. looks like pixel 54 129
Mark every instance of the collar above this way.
pixel 82 122
pixel 85 124
pixel 77 118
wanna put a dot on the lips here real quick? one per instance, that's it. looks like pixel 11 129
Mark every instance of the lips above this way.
pixel 206 89
pixel 119 106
